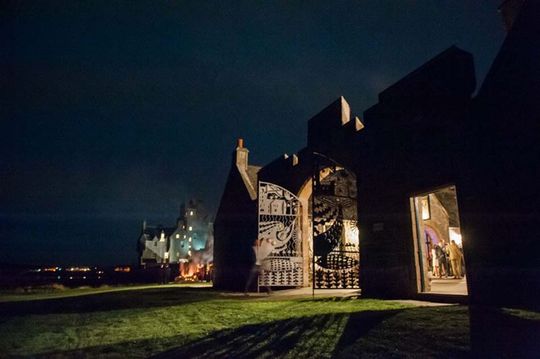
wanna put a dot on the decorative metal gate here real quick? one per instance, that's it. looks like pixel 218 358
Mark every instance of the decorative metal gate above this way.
pixel 336 261
pixel 278 224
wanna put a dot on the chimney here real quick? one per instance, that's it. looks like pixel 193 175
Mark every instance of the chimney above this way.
pixel 241 155
pixel 509 10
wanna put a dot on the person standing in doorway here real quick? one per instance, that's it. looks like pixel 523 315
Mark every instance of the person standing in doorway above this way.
pixel 441 257
pixel 455 259
pixel 435 261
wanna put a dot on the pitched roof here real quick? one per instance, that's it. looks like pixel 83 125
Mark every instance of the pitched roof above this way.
pixel 152 232
pixel 249 177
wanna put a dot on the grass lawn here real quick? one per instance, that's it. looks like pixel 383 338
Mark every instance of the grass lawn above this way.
pixel 183 322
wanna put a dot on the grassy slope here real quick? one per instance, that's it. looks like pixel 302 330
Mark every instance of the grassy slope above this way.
pixel 51 292
pixel 202 323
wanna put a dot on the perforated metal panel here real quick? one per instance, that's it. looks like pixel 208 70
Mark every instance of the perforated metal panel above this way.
pixel 278 223
pixel 335 232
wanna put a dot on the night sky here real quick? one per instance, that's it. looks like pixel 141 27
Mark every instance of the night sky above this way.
pixel 113 112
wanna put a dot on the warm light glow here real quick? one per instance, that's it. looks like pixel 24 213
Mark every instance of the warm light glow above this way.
pixel 190 228
pixel 122 269
pixel 191 213
pixel 177 236
pixel 455 235
pixel 351 231
pixel 424 202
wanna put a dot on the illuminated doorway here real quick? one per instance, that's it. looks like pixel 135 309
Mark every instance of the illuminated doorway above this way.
pixel 312 237
pixel 329 226
pixel 440 265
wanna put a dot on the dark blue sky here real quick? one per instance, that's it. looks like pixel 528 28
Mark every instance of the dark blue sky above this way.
pixel 117 111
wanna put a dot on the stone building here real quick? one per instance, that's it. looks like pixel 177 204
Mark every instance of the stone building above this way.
pixel 473 158
pixel 153 244
pixel 189 244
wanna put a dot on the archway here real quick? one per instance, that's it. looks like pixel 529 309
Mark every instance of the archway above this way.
pixel 329 226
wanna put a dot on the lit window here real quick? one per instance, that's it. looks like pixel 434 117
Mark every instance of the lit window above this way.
pixel 191 213
pixel 184 236
pixel 425 208
pixel 189 239
pixel 177 236
pixel 190 228
pixel 189 253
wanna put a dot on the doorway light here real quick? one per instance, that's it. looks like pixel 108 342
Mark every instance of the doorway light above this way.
pixel 455 235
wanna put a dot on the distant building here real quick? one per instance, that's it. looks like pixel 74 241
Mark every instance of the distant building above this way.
pixel 189 244
pixel 154 244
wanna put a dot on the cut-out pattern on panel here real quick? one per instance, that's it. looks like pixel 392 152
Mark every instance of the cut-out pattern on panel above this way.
pixel 335 232
pixel 278 222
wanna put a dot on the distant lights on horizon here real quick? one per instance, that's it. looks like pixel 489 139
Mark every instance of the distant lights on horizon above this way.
pixel 78 269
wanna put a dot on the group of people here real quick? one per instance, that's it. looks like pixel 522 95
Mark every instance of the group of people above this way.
pixel 447 260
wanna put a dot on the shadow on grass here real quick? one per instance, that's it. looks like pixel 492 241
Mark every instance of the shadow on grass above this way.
pixel 505 333
pixel 414 332
pixel 109 301
pixel 317 336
